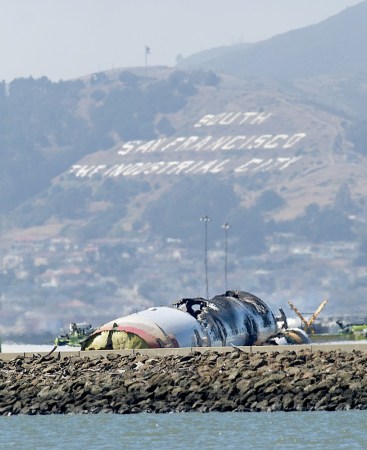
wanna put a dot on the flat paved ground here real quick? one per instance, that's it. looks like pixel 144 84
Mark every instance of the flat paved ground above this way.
pixel 348 347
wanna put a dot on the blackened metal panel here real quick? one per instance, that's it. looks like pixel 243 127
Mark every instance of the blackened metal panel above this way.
pixel 236 317
pixel 245 318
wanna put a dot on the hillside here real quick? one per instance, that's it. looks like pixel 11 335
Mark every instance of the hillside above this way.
pixel 105 179
pixel 332 47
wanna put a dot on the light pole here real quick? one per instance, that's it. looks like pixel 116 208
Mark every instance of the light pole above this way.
pixel 225 227
pixel 206 219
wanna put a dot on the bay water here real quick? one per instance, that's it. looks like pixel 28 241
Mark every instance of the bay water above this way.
pixel 276 430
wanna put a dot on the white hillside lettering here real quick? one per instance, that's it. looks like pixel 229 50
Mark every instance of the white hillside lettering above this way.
pixel 198 154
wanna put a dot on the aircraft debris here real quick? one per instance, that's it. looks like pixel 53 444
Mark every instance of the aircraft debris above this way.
pixel 308 324
pixel 235 318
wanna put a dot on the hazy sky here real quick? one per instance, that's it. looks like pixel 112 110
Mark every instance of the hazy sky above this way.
pixel 62 39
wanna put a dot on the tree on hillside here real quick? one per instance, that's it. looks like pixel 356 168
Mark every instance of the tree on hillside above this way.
pixel 196 197
pixel 129 79
pixel 321 225
pixel 357 134
pixel 248 229
pixel 269 200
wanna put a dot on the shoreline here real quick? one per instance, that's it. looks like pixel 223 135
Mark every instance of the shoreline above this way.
pixel 240 379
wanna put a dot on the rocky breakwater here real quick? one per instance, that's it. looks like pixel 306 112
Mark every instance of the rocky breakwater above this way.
pixel 210 381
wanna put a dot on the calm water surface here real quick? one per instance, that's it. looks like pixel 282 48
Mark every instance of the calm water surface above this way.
pixel 301 430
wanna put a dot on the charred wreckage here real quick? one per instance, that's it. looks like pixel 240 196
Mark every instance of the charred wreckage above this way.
pixel 235 318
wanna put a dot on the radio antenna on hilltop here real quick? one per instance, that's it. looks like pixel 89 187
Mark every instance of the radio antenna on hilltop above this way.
pixel 206 219
pixel 225 227
pixel 147 53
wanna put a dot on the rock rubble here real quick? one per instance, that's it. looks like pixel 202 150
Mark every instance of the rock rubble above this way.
pixel 203 382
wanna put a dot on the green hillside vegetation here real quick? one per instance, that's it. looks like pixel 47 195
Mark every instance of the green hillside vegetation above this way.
pixel 45 126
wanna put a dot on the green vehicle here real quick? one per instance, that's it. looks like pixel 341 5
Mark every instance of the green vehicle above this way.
pixel 77 333
pixel 353 331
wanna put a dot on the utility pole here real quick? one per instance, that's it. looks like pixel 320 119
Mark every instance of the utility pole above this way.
pixel 206 219
pixel 225 227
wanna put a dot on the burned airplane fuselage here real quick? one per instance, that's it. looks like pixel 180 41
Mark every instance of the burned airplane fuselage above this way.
pixel 234 318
